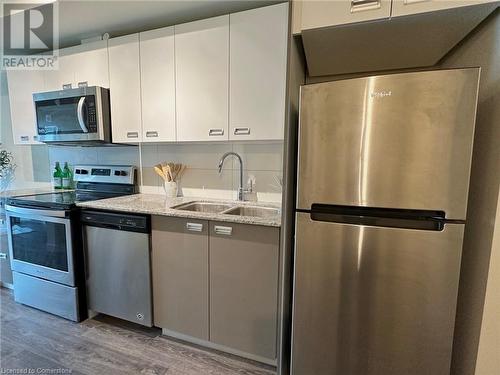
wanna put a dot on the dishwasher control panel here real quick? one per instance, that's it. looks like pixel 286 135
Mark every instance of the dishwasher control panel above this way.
pixel 114 220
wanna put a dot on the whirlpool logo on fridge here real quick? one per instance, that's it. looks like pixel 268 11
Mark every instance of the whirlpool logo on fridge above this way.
pixel 30 35
pixel 380 94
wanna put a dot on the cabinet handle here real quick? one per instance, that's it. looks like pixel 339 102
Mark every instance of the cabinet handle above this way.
pixel 132 135
pixel 360 5
pixel 152 134
pixel 24 138
pixel 215 132
pixel 194 227
pixel 66 86
pixel 226 231
pixel 3 255
pixel 241 131
pixel 83 84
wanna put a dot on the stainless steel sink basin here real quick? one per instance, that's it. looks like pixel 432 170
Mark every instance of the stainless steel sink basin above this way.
pixel 254 211
pixel 207 207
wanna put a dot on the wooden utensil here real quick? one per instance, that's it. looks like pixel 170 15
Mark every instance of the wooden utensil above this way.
pixel 176 171
pixel 166 171
pixel 159 171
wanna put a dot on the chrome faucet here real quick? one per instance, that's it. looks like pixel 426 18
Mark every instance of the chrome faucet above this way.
pixel 241 191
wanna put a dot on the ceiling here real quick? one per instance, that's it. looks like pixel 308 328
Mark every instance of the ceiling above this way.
pixel 86 19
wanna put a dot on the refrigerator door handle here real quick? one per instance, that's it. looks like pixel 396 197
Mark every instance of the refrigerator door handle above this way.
pixel 379 217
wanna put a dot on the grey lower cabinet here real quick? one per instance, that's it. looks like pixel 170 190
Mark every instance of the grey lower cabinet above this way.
pixel 180 276
pixel 216 284
pixel 244 287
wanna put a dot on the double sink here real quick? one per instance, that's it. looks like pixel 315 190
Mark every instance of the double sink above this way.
pixel 229 209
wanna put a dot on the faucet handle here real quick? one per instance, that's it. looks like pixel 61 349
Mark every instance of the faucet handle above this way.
pixel 250 182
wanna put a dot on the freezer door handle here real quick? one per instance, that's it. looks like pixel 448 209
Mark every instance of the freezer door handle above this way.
pixel 379 217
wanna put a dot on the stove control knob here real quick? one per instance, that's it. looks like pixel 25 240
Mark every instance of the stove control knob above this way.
pixel 117 173
pixel 84 171
pixel 123 173
pixel 77 171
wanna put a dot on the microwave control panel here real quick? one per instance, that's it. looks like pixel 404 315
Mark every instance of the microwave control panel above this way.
pixel 91 114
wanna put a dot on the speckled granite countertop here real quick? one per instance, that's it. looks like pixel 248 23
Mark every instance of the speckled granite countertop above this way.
pixel 155 204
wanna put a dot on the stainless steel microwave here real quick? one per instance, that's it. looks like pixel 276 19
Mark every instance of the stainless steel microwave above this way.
pixel 80 115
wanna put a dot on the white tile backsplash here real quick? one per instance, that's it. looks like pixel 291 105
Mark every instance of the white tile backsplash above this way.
pixel 199 156
pixel 201 178
pixel 263 157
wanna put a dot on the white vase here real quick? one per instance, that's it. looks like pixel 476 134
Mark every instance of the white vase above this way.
pixel 171 189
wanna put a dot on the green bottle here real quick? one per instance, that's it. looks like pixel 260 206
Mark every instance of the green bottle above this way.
pixel 57 177
pixel 66 177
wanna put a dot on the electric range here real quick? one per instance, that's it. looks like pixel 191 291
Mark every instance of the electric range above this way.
pixel 45 239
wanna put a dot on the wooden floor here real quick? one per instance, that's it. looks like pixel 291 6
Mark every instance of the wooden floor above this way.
pixel 32 339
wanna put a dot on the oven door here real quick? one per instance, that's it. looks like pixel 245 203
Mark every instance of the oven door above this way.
pixel 40 244
pixel 70 115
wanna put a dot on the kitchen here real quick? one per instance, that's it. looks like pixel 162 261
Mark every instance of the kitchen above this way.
pixel 193 274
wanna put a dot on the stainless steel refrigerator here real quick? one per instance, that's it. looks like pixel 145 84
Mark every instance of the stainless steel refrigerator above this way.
pixel 383 177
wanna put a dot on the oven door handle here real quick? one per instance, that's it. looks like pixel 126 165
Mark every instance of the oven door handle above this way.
pixel 79 114
pixel 34 211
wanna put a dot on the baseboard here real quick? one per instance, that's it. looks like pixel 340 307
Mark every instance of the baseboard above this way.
pixel 6 285
pixel 221 348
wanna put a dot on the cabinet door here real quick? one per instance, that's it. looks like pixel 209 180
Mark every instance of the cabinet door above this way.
pixel 244 287
pixel 85 63
pixel 91 64
pixel 125 89
pixel 258 54
pixel 158 85
pixel 180 276
pixel 407 7
pixel 316 14
pixel 63 76
pixel 202 74
pixel 22 84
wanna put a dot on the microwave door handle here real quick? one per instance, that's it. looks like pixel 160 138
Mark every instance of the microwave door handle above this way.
pixel 79 113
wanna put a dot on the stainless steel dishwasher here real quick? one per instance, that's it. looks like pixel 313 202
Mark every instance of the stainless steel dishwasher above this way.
pixel 118 265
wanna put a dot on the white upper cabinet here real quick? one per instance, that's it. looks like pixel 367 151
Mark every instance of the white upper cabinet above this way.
pixel 83 64
pixel 316 14
pixel 22 84
pixel 91 64
pixel 158 85
pixel 407 7
pixel 202 75
pixel 258 60
pixel 313 14
pixel 63 76
pixel 125 89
